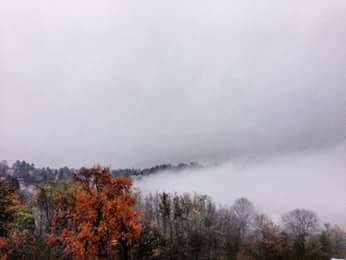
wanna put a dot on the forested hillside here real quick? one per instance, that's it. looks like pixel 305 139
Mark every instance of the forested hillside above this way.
pixel 26 174
pixel 172 130
pixel 95 215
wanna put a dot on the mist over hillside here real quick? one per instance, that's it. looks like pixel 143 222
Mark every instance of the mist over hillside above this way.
pixel 314 180
pixel 162 130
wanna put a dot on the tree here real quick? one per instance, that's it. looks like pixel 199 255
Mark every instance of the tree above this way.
pixel 300 224
pixel 150 245
pixel 165 211
pixel 266 242
pixel 14 214
pixel 18 245
pixel 47 200
pixel 241 217
pixel 3 168
pixel 16 224
pixel 332 241
pixel 244 214
pixel 102 218
pixel 7 208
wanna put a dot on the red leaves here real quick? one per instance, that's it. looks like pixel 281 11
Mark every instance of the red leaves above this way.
pixel 102 215
pixel 3 243
pixel 52 239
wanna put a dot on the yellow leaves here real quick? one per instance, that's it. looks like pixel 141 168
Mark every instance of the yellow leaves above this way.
pixel 196 211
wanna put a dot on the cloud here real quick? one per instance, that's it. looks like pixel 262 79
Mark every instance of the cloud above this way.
pixel 312 181
pixel 134 83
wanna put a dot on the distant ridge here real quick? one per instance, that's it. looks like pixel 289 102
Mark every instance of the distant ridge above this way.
pixel 27 174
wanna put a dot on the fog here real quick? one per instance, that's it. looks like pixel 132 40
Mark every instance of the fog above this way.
pixel 258 89
pixel 138 83
pixel 314 181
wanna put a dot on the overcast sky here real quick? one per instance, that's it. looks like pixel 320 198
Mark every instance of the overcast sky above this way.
pixel 136 83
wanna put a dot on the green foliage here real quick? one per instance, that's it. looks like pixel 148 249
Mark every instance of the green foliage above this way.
pixel 14 214
pixel 7 208
pixel 49 198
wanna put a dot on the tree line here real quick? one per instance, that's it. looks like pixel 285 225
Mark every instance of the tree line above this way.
pixel 96 215
pixel 27 174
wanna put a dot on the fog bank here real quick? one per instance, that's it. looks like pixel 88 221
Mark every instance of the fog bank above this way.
pixel 313 181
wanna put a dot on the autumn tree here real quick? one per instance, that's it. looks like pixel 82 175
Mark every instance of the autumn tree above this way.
pixel 47 199
pixel 16 224
pixel 7 208
pixel 102 220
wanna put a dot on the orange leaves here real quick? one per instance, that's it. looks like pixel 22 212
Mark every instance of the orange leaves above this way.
pixel 52 239
pixel 122 183
pixel 16 245
pixel 103 214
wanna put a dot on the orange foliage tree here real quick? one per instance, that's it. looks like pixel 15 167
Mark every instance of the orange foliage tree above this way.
pixel 101 221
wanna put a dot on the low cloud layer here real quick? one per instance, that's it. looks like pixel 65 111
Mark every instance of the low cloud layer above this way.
pixel 137 83
pixel 304 180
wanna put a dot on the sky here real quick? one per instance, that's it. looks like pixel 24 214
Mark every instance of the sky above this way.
pixel 138 83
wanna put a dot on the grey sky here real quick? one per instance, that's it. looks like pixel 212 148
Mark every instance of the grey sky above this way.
pixel 136 83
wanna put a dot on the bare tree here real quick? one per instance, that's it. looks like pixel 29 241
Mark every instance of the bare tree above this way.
pixel 241 218
pixel 300 224
pixel 333 241
pixel 244 214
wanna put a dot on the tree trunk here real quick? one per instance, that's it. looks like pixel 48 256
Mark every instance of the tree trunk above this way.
pixel 125 251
